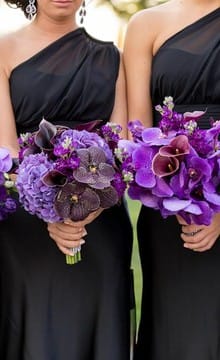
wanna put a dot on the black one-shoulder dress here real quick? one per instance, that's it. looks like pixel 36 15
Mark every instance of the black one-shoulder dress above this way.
pixel 50 310
pixel 180 317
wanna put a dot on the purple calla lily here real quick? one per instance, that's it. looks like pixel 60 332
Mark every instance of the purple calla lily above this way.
pixel 177 147
pixel 164 165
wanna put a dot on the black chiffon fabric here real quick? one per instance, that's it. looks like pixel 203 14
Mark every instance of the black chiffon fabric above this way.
pixel 180 316
pixel 50 310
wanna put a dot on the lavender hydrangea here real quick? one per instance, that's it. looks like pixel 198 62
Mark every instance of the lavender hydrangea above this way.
pixel 36 197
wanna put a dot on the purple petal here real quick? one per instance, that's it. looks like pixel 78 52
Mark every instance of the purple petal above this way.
pixel 5 160
pixel 106 171
pixel 144 177
pixel 213 198
pixel 127 145
pixel 108 197
pixel 162 188
pixel 175 204
pixel 149 200
pixel 154 136
pixel 193 209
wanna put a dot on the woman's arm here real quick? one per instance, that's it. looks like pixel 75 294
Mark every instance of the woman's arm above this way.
pixel 8 135
pixel 138 58
pixel 119 113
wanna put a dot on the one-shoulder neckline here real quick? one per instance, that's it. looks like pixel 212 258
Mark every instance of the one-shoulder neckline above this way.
pixel 75 32
pixel 187 28
pixel 32 57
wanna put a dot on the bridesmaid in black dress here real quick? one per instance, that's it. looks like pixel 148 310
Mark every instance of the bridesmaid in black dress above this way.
pixel 50 310
pixel 175 49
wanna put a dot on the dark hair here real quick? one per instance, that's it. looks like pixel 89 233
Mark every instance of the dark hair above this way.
pixel 22 4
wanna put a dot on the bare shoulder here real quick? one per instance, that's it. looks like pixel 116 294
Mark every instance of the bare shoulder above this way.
pixel 151 20
pixel 9 44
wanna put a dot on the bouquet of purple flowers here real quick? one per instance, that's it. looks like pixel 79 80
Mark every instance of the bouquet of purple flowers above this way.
pixel 8 204
pixel 68 173
pixel 176 166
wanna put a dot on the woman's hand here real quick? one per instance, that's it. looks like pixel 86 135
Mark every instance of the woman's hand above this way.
pixel 69 234
pixel 200 237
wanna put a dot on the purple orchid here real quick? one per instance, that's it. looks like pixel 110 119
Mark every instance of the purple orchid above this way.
pixel 5 160
pixel 93 169
pixel 142 160
pixel 76 201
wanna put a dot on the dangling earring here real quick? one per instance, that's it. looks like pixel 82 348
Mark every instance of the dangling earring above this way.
pixel 82 12
pixel 31 9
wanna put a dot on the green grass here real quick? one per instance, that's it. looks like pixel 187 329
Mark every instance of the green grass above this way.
pixel 134 207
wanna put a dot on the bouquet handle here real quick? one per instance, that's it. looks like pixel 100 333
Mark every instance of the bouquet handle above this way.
pixel 75 258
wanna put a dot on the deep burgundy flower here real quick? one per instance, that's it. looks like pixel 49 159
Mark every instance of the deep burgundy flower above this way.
pixel 164 165
pixel 76 201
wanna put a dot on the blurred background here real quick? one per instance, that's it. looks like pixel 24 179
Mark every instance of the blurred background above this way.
pixel 106 20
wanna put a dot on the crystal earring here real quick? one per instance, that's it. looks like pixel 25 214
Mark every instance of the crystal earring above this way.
pixel 31 9
pixel 82 12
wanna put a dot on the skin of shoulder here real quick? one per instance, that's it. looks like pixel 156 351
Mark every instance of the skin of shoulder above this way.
pixel 9 46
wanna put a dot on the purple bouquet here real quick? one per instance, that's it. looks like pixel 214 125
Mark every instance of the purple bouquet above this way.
pixel 7 204
pixel 68 173
pixel 176 166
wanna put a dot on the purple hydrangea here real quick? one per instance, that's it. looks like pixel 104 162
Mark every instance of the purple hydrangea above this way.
pixel 71 140
pixel 36 197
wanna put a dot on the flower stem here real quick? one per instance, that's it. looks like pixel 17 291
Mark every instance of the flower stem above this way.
pixel 73 259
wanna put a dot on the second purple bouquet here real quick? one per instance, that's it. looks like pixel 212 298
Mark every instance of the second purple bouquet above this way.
pixel 68 173
pixel 176 166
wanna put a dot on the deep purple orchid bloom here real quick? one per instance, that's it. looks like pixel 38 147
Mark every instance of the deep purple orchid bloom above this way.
pixel 76 201
pixel 108 197
pixel 93 169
